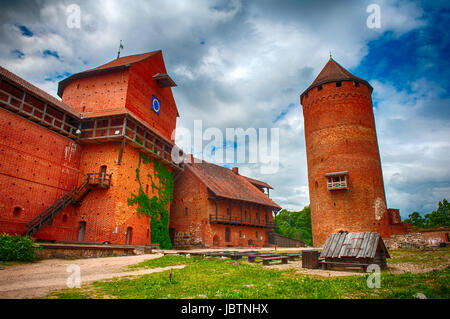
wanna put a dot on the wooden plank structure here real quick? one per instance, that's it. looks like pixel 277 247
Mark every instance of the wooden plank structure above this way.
pixel 251 255
pixel 74 197
pixel 351 250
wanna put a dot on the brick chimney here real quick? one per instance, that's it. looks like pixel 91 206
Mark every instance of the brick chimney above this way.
pixel 236 170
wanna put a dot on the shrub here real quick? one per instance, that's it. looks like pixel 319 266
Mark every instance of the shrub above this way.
pixel 16 248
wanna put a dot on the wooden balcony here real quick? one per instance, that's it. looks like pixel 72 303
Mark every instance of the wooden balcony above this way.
pixel 337 185
pixel 40 112
pixel 98 179
pixel 125 127
pixel 237 220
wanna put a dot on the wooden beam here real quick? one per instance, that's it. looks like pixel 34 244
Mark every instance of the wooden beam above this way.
pixel 121 147
pixel 23 101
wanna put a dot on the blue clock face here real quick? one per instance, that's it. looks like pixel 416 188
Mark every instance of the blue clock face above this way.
pixel 156 105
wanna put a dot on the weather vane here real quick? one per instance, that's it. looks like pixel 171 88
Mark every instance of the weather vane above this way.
pixel 120 47
pixel 330 55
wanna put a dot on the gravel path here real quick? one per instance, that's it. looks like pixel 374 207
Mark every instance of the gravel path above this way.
pixel 38 279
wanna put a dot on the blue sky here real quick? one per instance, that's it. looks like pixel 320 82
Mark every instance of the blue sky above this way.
pixel 245 63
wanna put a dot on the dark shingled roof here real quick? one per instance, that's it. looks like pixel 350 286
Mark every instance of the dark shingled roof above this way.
pixel 117 64
pixel 358 245
pixel 223 182
pixel 257 182
pixel 334 72
pixel 35 91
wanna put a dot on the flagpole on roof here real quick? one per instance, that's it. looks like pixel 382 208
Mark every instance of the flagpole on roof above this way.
pixel 120 47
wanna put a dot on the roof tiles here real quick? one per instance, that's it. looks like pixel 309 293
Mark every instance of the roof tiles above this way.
pixel 223 182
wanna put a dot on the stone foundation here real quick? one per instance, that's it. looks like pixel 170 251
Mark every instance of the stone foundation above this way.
pixel 48 251
pixel 420 238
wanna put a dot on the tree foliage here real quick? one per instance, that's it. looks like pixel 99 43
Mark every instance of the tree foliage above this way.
pixel 295 225
pixel 437 218
pixel 16 248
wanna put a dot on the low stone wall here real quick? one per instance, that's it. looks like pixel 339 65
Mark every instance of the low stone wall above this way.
pixel 48 251
pixel 420 238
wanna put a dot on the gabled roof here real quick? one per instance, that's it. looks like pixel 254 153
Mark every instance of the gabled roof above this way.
pixel 37 92
pixel 117 64
pixel 224 183
pixel 334 72
pixel 358 245
pixel 257 183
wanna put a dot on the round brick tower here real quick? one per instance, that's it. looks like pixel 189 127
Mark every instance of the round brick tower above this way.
pixel 344 169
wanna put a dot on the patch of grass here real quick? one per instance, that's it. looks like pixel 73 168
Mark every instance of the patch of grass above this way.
pixel 69 294
pixel 165 261
pixel 221 279
pixel 432 257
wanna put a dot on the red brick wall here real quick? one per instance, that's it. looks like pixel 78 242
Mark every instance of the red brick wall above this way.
pixel 340 136
pixel 101 92
pixel 106 211
pixel 139 98
pixel 194 228
pixel 37 166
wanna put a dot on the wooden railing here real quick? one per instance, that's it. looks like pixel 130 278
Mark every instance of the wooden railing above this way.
pixel 40 114
pixel 237 220
pixel 337 185
pixel 99 179
pixel 123 126
pixel 45 217
pixel 74 196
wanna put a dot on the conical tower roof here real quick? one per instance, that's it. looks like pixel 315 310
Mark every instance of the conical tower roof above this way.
pixel 334 72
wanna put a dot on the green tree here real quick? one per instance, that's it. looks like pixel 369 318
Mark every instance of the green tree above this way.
pixel 437 218
pixel 295 225
pixel 416 220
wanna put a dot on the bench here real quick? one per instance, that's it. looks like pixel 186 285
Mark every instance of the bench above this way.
pixel 292 256
pixel 326 264
pixel 266 260
pixel 251 257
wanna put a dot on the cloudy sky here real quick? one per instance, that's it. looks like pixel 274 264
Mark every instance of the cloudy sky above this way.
pixel 243 64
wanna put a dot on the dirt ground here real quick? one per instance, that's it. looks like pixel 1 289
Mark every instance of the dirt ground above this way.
pixel 38 279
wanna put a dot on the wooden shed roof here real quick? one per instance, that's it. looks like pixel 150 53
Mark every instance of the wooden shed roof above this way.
pixel 357 245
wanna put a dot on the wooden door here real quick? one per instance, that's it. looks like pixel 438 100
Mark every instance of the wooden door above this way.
pixel 227 234
pixel 129 233
pixel 81 230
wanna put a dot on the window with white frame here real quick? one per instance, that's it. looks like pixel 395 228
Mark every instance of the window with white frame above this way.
pixel 337 180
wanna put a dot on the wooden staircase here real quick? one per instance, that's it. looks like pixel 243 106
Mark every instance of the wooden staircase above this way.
pixel 74 197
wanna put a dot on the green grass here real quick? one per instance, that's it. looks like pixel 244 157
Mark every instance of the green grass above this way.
pixel 432 257
pixel 221 279
pixel 165 261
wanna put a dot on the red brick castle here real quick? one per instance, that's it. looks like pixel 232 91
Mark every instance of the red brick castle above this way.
pixel 96 167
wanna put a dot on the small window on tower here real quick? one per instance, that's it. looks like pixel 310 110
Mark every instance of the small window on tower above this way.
pixel 337 180
pixel 319 87
pixel 338 84
pixel 17 211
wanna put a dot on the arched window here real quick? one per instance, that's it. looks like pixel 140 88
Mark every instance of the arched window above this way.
pixel 17 211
